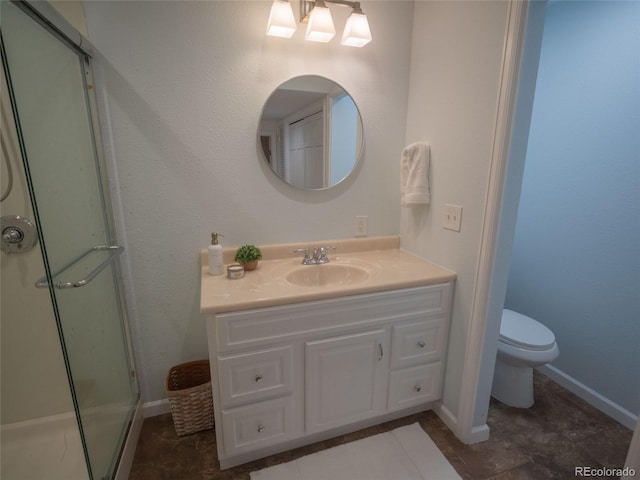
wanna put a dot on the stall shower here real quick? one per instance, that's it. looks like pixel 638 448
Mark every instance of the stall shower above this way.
pixel 69 388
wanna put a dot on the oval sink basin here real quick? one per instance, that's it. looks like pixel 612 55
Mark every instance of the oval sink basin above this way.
pixel 326 275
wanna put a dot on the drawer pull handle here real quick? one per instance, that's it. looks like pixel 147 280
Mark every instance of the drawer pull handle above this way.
pixel 417 388
pixel 421 344
pixel 381 353
pixel 258 378
pixel 260 428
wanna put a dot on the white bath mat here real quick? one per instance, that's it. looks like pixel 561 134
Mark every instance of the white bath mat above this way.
pixel 406 453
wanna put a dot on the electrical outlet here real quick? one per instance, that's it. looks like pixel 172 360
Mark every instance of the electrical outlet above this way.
pixel 361 225
pixel 452 217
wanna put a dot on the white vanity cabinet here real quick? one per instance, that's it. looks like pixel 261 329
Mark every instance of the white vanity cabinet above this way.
pixel 289 375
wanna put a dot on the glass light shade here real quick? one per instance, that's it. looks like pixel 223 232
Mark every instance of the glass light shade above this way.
pixel 356 32
pixel 282 23
pixel 320 28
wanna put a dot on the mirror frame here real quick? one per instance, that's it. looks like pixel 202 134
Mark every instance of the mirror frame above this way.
pixel 332 88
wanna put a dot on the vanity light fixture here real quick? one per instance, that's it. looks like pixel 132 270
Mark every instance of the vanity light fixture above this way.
pixel 320 24
pixel 281 23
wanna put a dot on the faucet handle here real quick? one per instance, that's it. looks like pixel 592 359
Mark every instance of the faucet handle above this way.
pixel 322 257
pixel 307 260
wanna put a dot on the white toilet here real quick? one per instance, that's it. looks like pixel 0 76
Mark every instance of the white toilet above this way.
pixel 524 344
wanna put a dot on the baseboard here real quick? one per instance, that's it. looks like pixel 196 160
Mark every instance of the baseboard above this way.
pixel 155 408
pixel 447 416
pixel 478 434
pixel 593 398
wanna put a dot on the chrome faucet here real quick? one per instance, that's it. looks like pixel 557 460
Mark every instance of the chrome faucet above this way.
pixel 318 257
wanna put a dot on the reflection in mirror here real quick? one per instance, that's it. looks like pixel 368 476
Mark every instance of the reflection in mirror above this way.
pixel 311 132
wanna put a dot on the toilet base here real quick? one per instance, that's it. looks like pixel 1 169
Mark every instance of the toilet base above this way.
pixel 513 385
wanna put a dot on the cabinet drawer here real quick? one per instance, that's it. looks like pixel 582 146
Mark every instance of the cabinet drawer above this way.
pixel 418 342
pixel 250 377
pixel 257 425
pixel 414 385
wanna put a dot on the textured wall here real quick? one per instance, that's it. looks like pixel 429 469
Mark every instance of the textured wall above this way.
pixel 455 72
pixel 576 258
pixel 182 86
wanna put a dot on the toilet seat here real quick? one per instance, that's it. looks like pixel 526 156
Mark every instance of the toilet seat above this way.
pixel 524 332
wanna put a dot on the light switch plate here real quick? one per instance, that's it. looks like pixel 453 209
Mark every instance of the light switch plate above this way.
pixel 361 225
pixel 452 217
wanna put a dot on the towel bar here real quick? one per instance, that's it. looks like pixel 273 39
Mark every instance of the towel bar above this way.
pixel 114 251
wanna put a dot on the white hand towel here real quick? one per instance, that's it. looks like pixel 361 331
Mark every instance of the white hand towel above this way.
pixel 414 163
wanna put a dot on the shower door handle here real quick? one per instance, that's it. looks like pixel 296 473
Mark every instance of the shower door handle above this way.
pixel 114 251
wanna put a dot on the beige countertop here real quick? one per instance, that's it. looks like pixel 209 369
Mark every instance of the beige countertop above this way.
pixel 387 267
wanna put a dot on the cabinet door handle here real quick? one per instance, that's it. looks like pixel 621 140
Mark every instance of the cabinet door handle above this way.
pixel 258 378
pixel 417 388
pixel 421 344
pixel 381 352
pixel 260 428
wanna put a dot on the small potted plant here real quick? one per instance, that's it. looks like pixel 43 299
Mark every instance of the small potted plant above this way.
pixel 248 256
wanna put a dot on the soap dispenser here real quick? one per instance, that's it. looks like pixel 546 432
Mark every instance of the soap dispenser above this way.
pixel 216 262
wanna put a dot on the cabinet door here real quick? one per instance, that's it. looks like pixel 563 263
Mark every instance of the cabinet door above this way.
pixel 345 379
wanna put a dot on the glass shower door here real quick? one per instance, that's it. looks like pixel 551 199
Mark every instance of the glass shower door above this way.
pixel 50 84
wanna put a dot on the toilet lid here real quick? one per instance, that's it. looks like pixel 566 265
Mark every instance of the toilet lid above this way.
pixel 524 332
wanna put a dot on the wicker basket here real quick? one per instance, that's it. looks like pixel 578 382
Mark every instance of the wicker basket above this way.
pixel 189 392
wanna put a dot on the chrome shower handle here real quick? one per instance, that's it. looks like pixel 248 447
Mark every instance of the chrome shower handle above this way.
pixel 12 235
pixel 19 235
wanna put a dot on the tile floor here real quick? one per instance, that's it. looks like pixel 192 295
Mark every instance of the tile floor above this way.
pixel 543 442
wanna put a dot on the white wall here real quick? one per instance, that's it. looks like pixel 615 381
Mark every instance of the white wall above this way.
pixel 182 86
pixel 455 72
pixel 527 72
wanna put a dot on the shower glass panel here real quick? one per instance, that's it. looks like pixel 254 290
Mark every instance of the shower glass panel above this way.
pixel 39 436
pixel 50 83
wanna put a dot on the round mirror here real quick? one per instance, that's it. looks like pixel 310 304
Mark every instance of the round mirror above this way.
pixel 310 132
